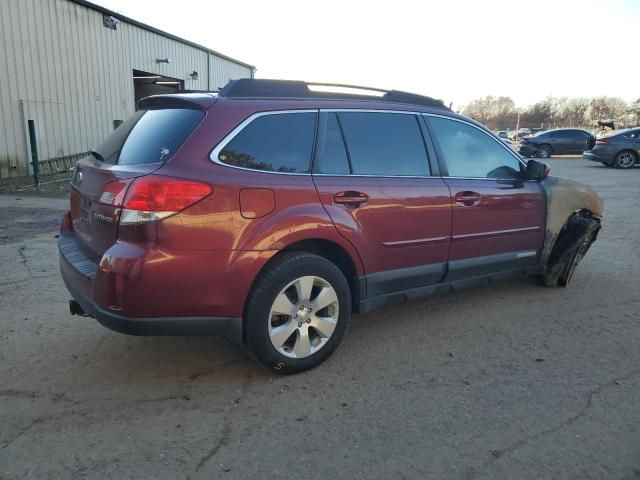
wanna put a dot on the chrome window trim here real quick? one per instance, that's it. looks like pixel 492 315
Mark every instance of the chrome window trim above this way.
pixel 367 110
pixel 373 176
pixel 230 136
pixel 495 139
pixel 215 153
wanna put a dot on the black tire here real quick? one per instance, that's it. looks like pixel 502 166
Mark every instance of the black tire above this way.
pixel 283 270
pixel 625 159
pixel 569 250
pixel 544 151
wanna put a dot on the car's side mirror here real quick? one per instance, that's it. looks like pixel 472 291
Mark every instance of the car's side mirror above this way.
pixel 537 170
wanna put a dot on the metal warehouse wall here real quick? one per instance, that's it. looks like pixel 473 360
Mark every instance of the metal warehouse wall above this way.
pixel 60 67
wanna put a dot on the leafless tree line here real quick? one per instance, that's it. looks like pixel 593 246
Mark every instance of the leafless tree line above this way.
pixel 501 113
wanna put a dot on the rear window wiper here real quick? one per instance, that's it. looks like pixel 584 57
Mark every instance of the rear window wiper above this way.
pixel 97 155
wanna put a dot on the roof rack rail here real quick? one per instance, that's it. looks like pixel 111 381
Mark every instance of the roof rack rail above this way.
pixel 195 91
pixel 266 88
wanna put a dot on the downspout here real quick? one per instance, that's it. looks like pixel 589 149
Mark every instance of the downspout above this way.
pixel 23 117
pixel 208 71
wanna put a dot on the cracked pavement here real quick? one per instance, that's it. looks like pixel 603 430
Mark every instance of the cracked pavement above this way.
pixel 503 380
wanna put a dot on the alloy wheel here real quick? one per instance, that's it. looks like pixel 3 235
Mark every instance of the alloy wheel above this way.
pixel 303 317
pixel 544 152
pixel 626 160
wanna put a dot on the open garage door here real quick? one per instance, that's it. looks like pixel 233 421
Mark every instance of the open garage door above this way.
pixel 145 84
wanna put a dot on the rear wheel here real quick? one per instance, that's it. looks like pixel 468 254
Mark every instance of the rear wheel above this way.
pixel 297 312
pixel 625 159
pixel 544 151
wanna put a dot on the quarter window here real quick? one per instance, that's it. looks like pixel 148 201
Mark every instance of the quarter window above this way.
pixel 469 152
pixel 276 143
pixel 385 144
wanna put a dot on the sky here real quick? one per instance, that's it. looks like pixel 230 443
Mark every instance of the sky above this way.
pixel 449 49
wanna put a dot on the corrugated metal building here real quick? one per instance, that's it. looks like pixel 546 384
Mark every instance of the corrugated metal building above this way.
pixel 76 70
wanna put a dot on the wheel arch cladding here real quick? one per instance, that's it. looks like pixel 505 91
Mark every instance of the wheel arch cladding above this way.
pixel 333 252
pixel 566 198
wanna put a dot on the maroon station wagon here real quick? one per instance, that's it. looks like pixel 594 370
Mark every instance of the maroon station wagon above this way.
pixel 271 211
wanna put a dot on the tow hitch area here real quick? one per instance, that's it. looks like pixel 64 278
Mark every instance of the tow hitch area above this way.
pixel 76 309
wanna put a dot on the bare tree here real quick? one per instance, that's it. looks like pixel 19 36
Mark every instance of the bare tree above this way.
pixel 601 108
pixel 503 106
pixel 540 113
pixel 500 112
pixel 480 109
pixel 576 111
pixel 495 112
pixel 634 112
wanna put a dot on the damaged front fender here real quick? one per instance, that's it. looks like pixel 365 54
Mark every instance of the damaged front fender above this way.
pixel 574 212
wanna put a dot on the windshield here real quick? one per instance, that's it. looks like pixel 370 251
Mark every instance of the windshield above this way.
pixel 149 136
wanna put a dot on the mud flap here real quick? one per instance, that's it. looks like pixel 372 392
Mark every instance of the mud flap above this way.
pixel 572 244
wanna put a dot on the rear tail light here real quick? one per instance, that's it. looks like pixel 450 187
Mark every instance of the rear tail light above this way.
pixel 602 141
pixel 113 193
pixel 153 197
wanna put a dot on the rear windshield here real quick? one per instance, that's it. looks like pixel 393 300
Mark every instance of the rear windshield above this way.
pixel 149 136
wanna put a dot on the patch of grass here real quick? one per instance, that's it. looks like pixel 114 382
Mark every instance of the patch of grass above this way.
pixel 56 185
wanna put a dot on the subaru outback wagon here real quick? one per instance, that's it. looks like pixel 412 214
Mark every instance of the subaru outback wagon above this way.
pixel 271 211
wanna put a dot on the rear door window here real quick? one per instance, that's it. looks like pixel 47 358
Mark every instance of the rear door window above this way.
pixel 469 152
pixel 149 136
pixel 633 134
pixel 576 134
pixel 384 144
pixel 280 142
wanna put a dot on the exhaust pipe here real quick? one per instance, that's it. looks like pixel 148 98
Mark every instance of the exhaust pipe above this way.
pixel 76 309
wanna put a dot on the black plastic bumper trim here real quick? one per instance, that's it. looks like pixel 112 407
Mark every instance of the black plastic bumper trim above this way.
pixel 226 327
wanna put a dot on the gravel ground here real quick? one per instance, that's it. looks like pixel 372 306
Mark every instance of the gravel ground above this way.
pixel 506 380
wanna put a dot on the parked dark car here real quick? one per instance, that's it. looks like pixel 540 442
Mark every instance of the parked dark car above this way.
pixel 619 149
pixel 268 213
pixel 563 141
pixel 516 134
pixel 523 132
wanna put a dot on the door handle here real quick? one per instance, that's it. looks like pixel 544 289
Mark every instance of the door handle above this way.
pixel 351 199
pixel 468 198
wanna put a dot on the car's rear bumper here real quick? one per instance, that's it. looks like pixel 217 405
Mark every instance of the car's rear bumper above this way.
pixel 226 327
pixel 597 157
pixel 186 293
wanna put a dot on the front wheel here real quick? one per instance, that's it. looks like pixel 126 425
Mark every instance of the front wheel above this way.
pixel 625 160
pixel 297 312
pixel 544 151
